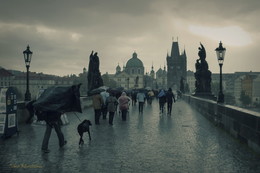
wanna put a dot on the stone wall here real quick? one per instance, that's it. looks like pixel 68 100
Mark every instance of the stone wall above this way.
pixel 240 123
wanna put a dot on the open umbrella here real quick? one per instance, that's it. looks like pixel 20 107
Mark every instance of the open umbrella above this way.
pixel 95 91
pixel 103 87
pixel 60 99
pixel 116 91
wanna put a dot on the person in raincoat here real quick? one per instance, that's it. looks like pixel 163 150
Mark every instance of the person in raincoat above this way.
pixel 123 101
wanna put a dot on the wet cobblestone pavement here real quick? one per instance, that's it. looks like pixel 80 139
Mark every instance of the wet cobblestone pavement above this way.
pixel 148 142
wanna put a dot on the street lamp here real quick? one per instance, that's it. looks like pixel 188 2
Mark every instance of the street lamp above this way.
pixel 220 55
pixel 27 59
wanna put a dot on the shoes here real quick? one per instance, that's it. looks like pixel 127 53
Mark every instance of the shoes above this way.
pixel 65 142
pixel 45 150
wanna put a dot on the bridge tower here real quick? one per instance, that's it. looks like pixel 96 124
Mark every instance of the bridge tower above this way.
pixel 176 66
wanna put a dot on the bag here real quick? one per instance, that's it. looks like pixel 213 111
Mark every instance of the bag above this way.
pixel 64 119
pixel 41 116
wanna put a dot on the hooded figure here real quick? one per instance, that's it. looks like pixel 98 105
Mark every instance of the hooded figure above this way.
pixel 123 101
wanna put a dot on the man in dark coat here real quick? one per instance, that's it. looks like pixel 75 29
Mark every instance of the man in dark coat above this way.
pixel 170 97
pixel 52 120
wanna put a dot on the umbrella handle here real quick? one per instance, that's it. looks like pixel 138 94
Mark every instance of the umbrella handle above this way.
pixel 77 116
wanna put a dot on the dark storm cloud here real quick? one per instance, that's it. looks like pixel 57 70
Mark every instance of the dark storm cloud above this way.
pixel 63 33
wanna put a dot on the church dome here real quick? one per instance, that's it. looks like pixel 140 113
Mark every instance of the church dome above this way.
pixel 134 62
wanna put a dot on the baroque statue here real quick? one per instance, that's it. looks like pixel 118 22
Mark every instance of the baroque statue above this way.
pixel 202 74
pixel 94 75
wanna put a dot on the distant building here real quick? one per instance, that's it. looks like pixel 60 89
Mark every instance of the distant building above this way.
pixel 249 83
pixel 161 78
pixel 256 90
pixel 190 80
pixel 38 81
pixel 6 78
pixel 132 75
pixel 176 67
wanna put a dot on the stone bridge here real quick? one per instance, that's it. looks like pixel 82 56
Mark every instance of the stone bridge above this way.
pixel 193 139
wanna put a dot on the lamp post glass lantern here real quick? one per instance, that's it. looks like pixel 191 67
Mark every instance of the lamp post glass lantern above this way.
pixel 220 51
pixel 27 59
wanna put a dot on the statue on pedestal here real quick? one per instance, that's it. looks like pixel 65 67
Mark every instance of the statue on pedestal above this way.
pixel 94 75
pixel 202 74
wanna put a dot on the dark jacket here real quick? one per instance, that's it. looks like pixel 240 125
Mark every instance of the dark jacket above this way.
pixel 52 116
pixel 170 96
pixel 111 104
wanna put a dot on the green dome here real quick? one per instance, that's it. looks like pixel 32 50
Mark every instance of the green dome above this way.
pixel 134 62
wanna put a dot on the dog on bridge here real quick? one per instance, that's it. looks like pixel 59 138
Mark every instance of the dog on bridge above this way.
pixel 84 127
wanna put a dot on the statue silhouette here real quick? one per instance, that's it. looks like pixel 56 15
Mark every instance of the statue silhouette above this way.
pixel 202 74
pixel 94 76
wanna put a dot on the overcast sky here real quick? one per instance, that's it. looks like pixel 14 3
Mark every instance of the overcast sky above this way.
pixel 62 33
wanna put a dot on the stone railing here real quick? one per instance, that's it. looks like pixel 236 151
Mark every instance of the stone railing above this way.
pixel 23 114
pixel 240 123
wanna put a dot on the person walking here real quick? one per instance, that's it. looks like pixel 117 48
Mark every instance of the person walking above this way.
pixel 162 100
pixel 140 97
pixel 170 97
pixel 104 96
pixel 52 119
pixel 150 97
pixel 97 103
pixel 123 101
pixel 111 103
pixel 133 96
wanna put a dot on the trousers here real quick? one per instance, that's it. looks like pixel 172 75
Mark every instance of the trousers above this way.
pixel 47 134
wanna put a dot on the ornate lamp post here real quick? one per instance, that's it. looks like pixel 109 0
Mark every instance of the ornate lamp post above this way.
pixel 220 55
pixel 27 59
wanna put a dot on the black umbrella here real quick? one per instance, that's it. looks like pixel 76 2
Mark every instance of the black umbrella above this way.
pixel 96 91
pixel 59 99
pixel 116 91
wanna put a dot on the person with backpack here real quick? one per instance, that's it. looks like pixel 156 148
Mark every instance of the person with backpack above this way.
pixel 52 119
pixel 141 98
pixel 104 110
pixel 111 103
pixel 162 100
